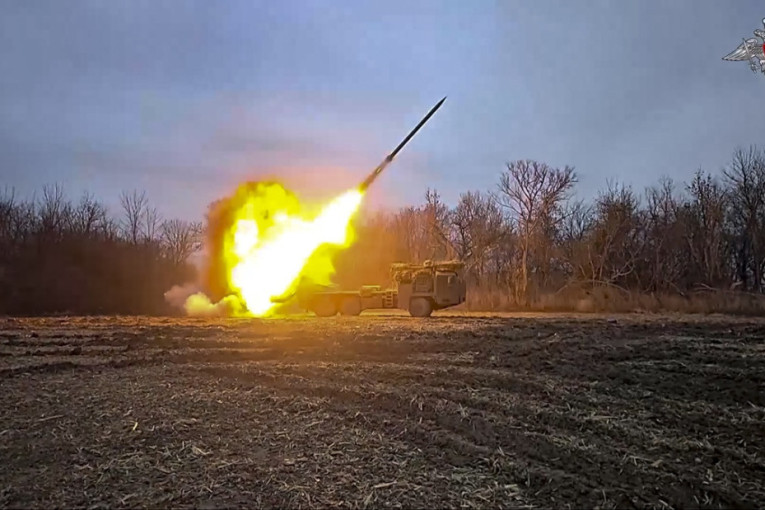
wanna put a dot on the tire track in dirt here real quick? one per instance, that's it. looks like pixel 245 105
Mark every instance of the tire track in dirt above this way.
pixel 437 428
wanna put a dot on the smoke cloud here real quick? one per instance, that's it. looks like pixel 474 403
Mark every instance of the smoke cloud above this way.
pixel 195 303
pixel 177 296
pixel 199 305
pixel 210 296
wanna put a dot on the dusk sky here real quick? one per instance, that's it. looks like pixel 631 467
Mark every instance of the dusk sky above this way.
pixel 185 99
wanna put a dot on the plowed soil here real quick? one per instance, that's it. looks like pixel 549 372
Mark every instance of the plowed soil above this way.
pixel 383 410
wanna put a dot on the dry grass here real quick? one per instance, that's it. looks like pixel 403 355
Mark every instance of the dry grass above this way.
pixel 616 300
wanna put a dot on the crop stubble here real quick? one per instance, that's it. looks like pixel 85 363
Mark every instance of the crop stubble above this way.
pixel 503 411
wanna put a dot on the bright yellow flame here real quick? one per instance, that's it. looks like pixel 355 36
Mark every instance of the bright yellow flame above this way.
pixel 270 244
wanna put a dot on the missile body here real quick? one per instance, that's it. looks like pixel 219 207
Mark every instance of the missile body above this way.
pixel 377 171
pixel 364 185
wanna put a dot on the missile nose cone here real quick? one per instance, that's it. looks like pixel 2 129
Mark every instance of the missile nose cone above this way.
pixel 438 105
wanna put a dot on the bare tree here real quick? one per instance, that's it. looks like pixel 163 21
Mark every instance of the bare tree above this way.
pixel 181 239
pixel 133 206
pixel 746 181
pixel 54 210
pixel 436 216
pixel 532 192
pixel 412 233
pixel 664 260
pixel 616 240
pixel 577 221
pixel 463 222
pixel 151 224
pixel 8 244
pixel 704 230
pixel 89 217
pixel 574 239
pixel 478 228
pixel 7 213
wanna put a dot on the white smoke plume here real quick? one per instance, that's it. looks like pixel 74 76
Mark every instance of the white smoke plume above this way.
pixel 195 303
pixel 199 305
pixel 178 295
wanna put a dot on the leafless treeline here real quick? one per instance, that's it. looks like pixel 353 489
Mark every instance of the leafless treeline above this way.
pixel 63 256
pixel 528 241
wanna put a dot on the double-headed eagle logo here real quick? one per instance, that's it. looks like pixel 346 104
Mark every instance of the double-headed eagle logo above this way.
pixel 751 50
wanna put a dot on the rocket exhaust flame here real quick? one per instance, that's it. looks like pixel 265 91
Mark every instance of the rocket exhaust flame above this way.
pixel 269 243
pixel 267 264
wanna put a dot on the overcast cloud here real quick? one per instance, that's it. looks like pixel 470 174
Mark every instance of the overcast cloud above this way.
pixel 187 98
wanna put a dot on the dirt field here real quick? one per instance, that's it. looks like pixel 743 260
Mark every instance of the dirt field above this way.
pixel 373 411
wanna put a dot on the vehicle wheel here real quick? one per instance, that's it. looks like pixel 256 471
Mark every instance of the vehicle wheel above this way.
pixel 350 306
pixel 420 307
pixel 324 307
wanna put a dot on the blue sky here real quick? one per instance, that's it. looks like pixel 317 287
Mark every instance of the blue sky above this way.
pixel 187 98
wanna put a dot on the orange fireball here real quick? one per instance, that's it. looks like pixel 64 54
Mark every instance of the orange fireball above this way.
pixel 272 241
